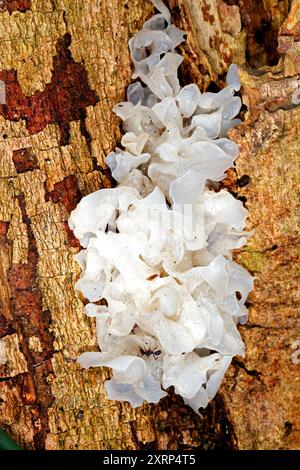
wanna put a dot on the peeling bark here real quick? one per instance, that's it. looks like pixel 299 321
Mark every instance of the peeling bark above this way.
pixel 65 64
pixel 15 5
pixel 63 100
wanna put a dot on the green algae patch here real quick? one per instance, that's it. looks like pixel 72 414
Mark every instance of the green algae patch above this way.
pixel 253 261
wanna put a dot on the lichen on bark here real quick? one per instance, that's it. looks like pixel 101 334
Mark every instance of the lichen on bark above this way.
pixel 67 63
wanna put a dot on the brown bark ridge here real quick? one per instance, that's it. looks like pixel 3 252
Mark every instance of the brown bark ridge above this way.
pixel 65 64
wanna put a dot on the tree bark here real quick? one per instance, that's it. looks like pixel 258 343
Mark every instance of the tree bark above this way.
pixel 65 63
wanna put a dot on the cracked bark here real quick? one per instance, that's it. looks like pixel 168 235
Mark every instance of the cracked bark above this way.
pixel 65 64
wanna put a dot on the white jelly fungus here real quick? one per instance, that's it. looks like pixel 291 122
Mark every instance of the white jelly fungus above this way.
pixel 158 247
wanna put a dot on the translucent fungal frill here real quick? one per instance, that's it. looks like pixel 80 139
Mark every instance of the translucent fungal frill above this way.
pixel 158 247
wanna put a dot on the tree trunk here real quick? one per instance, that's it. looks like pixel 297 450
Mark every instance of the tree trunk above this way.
pixel 64 64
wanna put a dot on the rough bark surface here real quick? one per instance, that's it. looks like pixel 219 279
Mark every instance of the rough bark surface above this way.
pixel 65 63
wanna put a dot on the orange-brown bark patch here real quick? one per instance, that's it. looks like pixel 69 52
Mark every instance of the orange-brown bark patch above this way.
pixel 63 100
